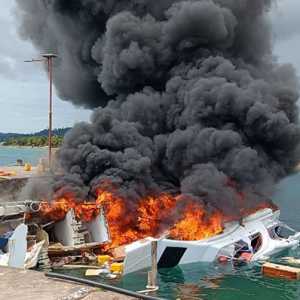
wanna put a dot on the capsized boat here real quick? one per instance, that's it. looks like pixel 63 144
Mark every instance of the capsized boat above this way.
pixel 256 237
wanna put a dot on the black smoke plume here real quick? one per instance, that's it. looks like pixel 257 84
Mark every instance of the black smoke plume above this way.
pixel 187 95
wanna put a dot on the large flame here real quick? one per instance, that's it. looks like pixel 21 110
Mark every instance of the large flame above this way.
pixel 121 221
pixel 196 224
pixel 57 209
pixel 154 215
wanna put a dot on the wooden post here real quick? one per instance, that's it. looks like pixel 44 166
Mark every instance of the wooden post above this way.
pixel 48 57
pixel 152 275
pixel 50 111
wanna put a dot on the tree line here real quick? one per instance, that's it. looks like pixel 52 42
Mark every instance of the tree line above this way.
pixel 43 133
pixel 34 141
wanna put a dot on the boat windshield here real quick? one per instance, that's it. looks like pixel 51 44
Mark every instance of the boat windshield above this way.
pixel 280 231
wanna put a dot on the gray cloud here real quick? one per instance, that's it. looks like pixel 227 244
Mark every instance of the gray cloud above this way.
pixel 285 19
pixel 23 87
pixel 6 69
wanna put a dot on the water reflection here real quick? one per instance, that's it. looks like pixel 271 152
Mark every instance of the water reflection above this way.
pixel 202 281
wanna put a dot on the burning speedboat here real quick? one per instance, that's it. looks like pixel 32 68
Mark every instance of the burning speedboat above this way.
pixel 257 237
pixel 196 234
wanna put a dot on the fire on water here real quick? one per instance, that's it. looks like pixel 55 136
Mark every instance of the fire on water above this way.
pixel 151 216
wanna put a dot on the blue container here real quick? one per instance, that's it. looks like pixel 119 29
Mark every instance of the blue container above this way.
pixel 4 239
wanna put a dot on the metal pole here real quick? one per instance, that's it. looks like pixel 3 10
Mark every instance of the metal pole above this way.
pixel 48 57
pixel 49 60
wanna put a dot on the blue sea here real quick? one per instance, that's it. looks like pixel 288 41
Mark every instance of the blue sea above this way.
pixel 9 155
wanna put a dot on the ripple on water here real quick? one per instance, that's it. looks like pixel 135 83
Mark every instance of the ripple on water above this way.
pixel 224 282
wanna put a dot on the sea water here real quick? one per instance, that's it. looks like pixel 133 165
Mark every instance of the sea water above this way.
pixel 9 155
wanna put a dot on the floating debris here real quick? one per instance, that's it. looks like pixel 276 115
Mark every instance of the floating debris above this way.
pixel 280 271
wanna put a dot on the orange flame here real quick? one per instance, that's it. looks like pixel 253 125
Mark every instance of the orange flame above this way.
pixel 129 221
pixel 155 214
pixel 57 209
pixel 196 224
pixel 121 222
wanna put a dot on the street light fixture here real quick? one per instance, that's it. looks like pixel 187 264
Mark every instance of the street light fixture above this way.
pixel 48 58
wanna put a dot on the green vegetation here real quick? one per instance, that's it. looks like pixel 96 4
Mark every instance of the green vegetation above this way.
pixel 33 141
pixel 37 139
pixel 43 133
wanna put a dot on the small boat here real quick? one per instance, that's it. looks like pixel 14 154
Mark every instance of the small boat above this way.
pixel 256 237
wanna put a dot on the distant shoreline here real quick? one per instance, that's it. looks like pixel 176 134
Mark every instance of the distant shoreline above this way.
pixel 28 147
pixel 24 147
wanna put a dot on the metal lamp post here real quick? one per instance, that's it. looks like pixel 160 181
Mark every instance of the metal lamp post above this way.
pixel 48 58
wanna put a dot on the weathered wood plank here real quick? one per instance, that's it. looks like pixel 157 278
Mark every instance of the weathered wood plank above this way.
pixel 280 271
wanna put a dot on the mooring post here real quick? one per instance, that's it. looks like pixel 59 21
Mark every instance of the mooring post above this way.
pixel 152 275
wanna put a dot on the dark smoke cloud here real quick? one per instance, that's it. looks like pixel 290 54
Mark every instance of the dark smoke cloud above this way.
pixel 188 95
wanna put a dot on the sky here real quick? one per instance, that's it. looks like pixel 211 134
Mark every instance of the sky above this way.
pixel 24 86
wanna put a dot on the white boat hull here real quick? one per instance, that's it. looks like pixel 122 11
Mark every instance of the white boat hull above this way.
pixel 172 252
